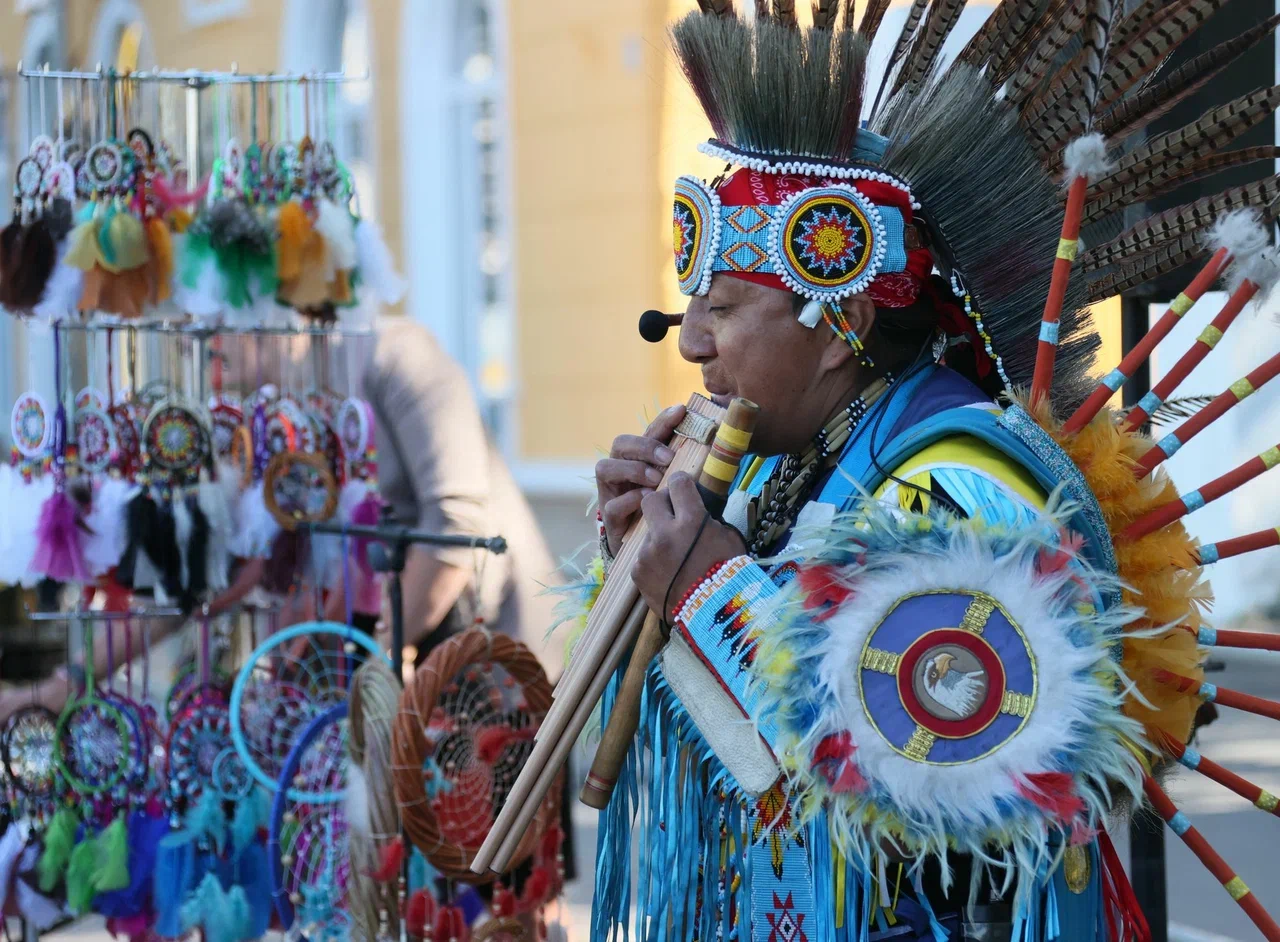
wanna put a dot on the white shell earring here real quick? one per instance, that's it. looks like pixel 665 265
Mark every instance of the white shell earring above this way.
pixel 811 314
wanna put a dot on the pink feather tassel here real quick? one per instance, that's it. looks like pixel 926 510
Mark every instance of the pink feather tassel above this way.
pixel 58 551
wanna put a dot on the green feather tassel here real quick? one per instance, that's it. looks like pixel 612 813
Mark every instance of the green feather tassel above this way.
pixel 80 873
pixel 59 839
pixel 113 858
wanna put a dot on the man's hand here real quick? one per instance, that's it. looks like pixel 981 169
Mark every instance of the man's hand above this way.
pixel 673 517
pixel 632 471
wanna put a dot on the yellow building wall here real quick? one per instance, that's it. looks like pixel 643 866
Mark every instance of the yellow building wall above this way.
pixel 586 84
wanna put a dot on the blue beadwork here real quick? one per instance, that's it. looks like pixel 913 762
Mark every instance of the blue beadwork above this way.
pixel 1114 380
pixel 1207 636
pixel 1179 824
pixel 1017 421
pixel 1193 500
pixel 1190 758
pixel 1049 332
pixel 1208 554
pixel 1209 691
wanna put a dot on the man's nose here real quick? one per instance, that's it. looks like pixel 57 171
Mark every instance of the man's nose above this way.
pixel 696 342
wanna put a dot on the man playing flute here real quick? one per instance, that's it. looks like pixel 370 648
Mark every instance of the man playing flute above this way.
pixel 891 704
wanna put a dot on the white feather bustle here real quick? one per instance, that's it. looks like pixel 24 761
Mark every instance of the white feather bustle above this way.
pixel 62 291
pixel 20 505
pixel 108 535
pixel 378 275
pixel 256 529
pixel 1086 156
pixel 203 296
pixel 358 818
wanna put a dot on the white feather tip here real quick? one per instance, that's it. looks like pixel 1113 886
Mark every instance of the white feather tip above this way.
pixel 1086 157
pixel 358 818
pixel 1240 232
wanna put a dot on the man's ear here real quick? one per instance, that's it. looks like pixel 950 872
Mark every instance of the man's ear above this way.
pixel 861 314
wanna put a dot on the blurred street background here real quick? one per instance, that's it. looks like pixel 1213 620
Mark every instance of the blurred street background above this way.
pixel 518 155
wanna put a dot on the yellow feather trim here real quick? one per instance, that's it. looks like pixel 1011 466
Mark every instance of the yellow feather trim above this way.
pixel 1159 571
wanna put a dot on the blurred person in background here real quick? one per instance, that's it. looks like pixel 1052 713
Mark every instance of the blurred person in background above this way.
pixel 437 472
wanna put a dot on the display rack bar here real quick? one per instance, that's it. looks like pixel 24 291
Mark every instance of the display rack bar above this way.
pixel 201 330
pixel 193 77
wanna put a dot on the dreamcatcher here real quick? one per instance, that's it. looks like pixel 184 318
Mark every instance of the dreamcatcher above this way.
pixel 355 431
pixel 141 719
pixel 174 440
pixel 310 863
pixel 28 746
pixel 292 677
pixel 95 743
pixel 299 488
pixel 199 746
pixel 465 727
pixel 95 438
pixel 31 431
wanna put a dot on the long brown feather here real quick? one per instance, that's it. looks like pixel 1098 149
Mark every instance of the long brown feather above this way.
pixel 825 13
pixel 998 26
pixel 900 48
pixel 1007 58
pixel 1165 178
pixel 717 7
pixel 1166 258
pixel 1027 79
pixel 1210 132
pixel 762 11
pixel 784 11
pixel 872 17
pixel 1153 102
pixel 1145 15
pixel 1146 50
pixel 1179 221
pixel 941 20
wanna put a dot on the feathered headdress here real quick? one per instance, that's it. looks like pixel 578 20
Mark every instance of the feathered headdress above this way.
pixel 958 169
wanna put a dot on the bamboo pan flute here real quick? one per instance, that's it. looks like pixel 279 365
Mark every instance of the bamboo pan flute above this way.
pixel 612 627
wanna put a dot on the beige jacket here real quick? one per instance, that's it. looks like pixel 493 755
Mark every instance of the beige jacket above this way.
pixel 440 473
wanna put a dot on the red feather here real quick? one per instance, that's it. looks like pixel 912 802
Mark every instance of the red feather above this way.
pixel 537 889
pixel 491 740
pixel 550 848
pixel 420 911
pixel 451 925
pixel 1054 793
pixel 390 862
pixel 504 903
pixel 821 587
pixel 833 760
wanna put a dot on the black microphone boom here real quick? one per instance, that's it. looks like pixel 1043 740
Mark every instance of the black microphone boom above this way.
pixel 654 324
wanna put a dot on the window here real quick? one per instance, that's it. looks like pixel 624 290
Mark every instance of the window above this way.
pixel 477 127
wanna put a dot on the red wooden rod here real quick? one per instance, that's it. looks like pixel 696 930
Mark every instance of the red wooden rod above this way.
pixel 1199 350
pixel 1219 407
pixel 1225 777
pixel 1224 695
pixel 1047 352
pixel 1142 349
pixel 1165 514
pixel 1212 861
pixel 1237 545
pixel 1244 640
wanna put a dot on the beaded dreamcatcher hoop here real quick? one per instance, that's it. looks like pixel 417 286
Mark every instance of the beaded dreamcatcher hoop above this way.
pixel 95 740
pixel 128 438
pixel 465 727
pixel 199 731
pixel 307 841
pixel 30 426
pixel 227 419
pixel 174 439
pixel 292 677
pixel 355 431
pixel 95 438
pixel 299 488
pixel 28 746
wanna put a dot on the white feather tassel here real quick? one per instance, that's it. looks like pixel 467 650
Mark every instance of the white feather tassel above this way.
pixel 358 818
pixel 108 532
pixel 20 505
pixel 211 496
pixel 61 296
pixel 183 526
pixel 378 274
pixel 1240 232
pixel 1085 157
pixel 337 228
pixel 256 529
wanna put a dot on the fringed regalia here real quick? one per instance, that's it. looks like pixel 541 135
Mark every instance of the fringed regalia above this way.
pixel 969 630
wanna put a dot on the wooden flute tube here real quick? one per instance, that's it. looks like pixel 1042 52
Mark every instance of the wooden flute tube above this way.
pixel 732 441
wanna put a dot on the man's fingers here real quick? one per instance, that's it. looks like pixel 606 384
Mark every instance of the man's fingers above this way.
pixel 622 508
pixel 639 448
pixel 656 507
pixel 685 499
pixel 665 423
pixel 616 472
